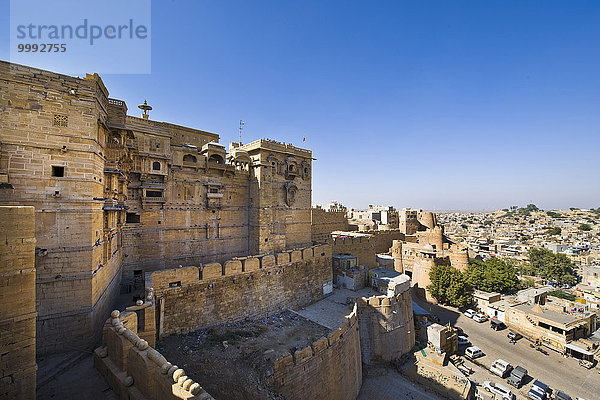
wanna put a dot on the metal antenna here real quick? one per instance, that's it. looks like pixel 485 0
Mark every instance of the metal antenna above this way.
pixel 241 126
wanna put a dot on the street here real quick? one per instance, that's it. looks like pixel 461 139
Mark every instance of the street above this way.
pixel 552 369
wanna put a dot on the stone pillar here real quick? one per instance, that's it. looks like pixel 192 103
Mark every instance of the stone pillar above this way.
pixel 396 251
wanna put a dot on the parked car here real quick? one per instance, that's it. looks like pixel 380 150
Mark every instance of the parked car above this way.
pixel 496 324
pixel 459 330
pixel 539 391
pixel 473 352
pixel 479 317
pixel 517 376
pixel 469 313
pixel 463 340
pixel 560 395
pixel 501 368
pixel 514 336
pixel 499 389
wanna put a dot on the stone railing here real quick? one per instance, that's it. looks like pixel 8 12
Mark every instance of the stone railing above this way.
pixel 134 370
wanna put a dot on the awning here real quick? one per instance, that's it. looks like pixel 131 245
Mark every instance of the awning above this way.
pixel 578 349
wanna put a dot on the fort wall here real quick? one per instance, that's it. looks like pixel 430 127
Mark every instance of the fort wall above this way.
pixel 366 248
pixel 386 325
pixel 330 368
pixel 323 222
pixel 17 299
pixel 194 297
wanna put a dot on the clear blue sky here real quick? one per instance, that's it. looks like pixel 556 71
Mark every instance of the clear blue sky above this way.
pixel 429 104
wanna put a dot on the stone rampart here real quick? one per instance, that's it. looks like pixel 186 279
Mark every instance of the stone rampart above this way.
pixel 194 297
pixel 367 247
pixel 330 368
pixel 386 325
pixel 323 222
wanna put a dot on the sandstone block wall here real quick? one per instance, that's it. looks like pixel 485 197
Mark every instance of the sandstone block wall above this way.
pixel 17 303
pixel 194 297
pixel 52 138
pixel 324 222
pixel 330 368
pixel 386 327
pixel 366 248
pixel 446 380
pixel 281 191
pixel 361 247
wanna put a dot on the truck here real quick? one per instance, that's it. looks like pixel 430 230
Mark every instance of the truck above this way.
pixel 517 376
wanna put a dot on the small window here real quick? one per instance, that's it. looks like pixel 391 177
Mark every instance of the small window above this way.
pixel 156 166
pixel 153 193
pixel 58 172
pixel 291 168
pixel 305 171
pixel 175 284
pixel 132 218
pixel 213 190
pixel 60 120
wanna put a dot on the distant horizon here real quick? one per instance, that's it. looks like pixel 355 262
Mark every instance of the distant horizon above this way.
pixel 433 105
pixel 489 210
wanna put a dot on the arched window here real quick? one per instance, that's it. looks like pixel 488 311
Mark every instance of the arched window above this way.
pixel 188 158
pixel 216 158
pixel 156 166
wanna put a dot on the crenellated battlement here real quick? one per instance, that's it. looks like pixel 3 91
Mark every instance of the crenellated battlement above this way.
pixel 183 276
pixel 301 356
pixel 195 297
pixel 335 361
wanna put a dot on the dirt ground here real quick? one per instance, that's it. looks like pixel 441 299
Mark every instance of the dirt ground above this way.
pixel 231 361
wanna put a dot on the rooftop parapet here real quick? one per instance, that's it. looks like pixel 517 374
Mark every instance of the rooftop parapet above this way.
pixel 276 146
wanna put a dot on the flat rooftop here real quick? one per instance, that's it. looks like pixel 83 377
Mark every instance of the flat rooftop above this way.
pixel 331 311
pixel 550 315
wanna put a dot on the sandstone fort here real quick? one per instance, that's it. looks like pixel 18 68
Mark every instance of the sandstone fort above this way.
pixel 98 206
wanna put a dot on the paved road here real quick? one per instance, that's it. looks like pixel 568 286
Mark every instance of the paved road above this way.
pixel 554 370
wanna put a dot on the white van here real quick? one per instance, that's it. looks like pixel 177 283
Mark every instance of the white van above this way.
pixel 473 352
pixel 501 368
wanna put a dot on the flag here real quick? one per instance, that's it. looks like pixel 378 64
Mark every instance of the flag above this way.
pixel 304 139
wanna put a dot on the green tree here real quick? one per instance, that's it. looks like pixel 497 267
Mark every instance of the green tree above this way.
pixel 550 266
pixel 551 231
pixel 493 275
pixel 448 286
pixel 553 214
pixel 585 227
